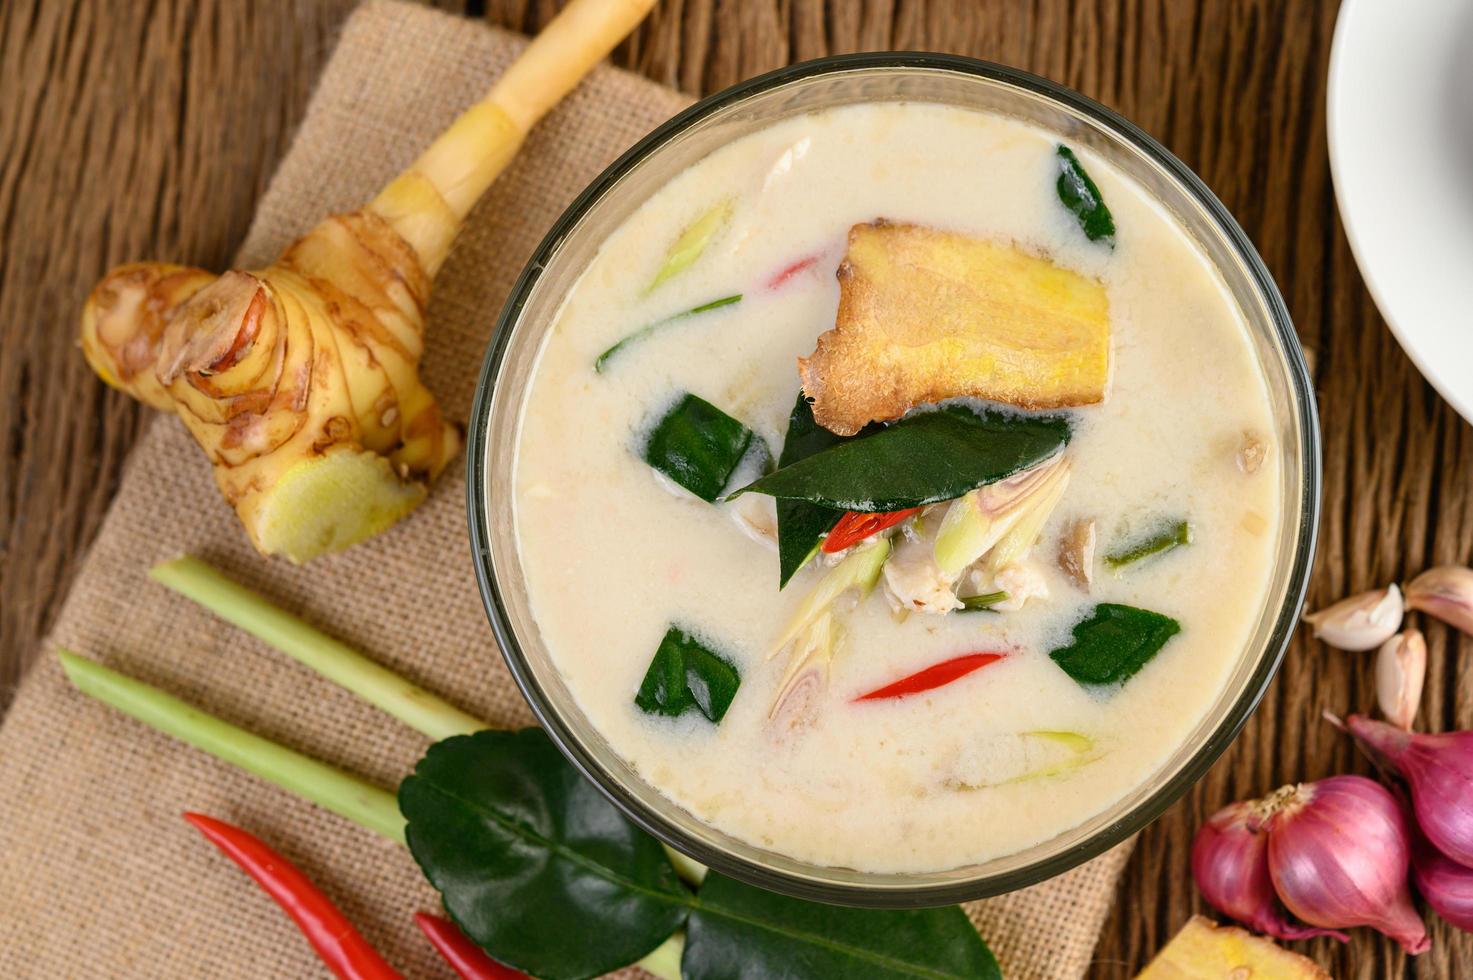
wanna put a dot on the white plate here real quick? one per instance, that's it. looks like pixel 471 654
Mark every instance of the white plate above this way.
pixel 1401 151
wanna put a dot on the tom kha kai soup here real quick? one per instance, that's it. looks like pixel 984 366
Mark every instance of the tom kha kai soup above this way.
pixel 894 488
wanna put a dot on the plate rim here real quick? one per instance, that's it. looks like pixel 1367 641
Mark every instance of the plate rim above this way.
pixel 1460 401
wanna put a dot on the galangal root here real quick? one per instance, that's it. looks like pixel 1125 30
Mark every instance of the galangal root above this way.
pixel 301 380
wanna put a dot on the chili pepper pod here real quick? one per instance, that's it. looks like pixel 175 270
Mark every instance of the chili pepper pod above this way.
pixel 340 946
pixel 465 957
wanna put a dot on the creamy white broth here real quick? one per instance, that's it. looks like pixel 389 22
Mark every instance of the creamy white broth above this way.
pixel 613 555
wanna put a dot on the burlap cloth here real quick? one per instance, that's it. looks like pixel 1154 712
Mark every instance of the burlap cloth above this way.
pixel 98 875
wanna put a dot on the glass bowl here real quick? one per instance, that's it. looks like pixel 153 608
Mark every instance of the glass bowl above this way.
pixel 618 191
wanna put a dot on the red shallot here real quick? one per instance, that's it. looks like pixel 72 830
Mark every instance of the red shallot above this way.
pixel 1230 865
pixel 1438 770
pixel 1443 883
pixel 1338 854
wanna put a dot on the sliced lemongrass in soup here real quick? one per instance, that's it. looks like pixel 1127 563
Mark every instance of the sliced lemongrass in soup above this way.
pixel 807 671
pixel 1001 760
pixel 692 243
pixel 860 569
pixel 977 522
pixel 1039 506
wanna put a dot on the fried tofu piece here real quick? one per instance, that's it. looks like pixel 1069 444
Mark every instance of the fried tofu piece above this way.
pixel 926 315
pixel 1203 950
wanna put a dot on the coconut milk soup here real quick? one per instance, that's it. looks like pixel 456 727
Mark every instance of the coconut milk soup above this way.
pixel 1025 511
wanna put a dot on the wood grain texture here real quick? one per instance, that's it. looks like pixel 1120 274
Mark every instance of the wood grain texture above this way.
pixel 137 129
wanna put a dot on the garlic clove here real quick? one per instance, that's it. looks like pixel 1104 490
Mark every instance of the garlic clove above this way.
pixel 1077 552
pixel 1362 622
pixel 1401 666
pixel 1445 592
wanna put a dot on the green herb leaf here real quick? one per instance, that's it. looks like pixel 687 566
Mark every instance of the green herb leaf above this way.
pixel 1176 534
pixel 1083 199
pixel 692 243
pixel 801 525
pixel 685 674
pixel 738 932
pixel 922 459
pixel 698 446
pixel 981 603
pixel 546 875
pixel 533 863
pixel 1113 643
pixel 602 360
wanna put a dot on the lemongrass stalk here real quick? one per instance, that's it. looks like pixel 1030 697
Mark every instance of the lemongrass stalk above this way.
pixel 426 203
pixel 332 789
pixel 664 961
pixel 338 662
pixel 693 871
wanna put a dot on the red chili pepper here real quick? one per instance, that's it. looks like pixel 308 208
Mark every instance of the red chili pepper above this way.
pixel 855 526
pixel 777 281
pixel 340 946
pixel 464 956
pixel 934 676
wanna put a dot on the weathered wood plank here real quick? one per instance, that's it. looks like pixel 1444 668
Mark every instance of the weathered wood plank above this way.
pixel 138 129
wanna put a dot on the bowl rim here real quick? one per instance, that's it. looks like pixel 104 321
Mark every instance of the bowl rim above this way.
pixel 941 892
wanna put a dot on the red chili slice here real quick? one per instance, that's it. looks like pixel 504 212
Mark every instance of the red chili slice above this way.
pixel 777 281
pixel 934 676
pixel 855 526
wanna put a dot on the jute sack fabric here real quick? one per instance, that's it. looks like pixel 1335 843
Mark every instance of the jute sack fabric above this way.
pixel 99 877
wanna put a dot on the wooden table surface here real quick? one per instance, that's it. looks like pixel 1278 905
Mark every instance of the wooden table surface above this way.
pixel 134 129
